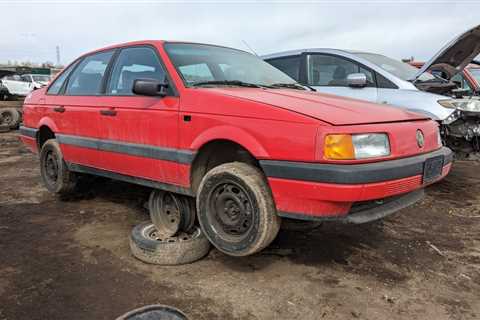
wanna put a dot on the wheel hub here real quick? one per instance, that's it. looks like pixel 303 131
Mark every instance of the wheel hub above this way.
pixel 6 118
pixel 232 208
pixel 165 213
pixel 51 167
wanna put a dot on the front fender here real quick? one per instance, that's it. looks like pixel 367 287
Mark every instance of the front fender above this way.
pixel 234 134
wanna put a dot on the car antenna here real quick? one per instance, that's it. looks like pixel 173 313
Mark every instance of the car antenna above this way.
pixel 253 51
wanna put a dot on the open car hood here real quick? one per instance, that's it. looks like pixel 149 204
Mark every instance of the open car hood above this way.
pixel 455 56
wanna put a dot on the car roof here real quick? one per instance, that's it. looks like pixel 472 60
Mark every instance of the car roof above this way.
pixel 154 43
pixel 312 50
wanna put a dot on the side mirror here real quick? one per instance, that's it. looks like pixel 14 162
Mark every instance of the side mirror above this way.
pixel 357 80
pixel 150 87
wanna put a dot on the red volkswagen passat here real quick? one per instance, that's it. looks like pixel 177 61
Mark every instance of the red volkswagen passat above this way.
pixel 223 127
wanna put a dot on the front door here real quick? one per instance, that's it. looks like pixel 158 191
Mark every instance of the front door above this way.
pixel 328 74
pixel 139 134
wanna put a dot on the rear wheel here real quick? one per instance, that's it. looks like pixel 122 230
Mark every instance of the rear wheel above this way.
pixel 54 171
pixel 236 210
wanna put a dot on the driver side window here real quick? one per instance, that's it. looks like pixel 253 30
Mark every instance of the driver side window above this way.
pixel 132 64
pixel 332 71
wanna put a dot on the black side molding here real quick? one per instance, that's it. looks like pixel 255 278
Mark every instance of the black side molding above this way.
pixel 140 150
pixel 28 132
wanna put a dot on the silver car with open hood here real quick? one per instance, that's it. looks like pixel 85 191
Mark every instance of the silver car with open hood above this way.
pixel 377 78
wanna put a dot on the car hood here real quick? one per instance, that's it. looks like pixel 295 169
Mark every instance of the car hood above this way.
pixel 328 108
pixel 456 55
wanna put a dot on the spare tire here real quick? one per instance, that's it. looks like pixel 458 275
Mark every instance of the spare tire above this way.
pixel 10 117
pixel 181 249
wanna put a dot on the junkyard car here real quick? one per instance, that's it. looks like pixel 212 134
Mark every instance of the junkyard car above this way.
pixel 225 127
pixel 467 80
pixel 37 80
pixel 377 78
pixel 13 85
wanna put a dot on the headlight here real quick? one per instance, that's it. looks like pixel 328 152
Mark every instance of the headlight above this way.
pixel 356 146
pixel 472 105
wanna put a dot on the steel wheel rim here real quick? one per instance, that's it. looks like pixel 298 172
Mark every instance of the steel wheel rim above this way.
pixel 167 215
pixel 231 210
pixel 151 233
pixel 6 117
pixel 51 167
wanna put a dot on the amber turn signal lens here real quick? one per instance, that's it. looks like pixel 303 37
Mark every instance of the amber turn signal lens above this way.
pixel 339 147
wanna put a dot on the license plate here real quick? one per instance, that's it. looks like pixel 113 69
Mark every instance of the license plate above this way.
pixel 432 169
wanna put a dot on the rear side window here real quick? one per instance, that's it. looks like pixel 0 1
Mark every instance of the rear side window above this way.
pixel 289 65
pixel 60 80
pixel 134 63
pixel 87 77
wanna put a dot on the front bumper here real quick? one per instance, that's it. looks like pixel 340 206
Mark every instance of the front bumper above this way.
pixel 328 191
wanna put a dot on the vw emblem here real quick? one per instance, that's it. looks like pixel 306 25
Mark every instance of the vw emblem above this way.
pixel 420 139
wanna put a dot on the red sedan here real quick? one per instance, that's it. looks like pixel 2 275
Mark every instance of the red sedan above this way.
pixel 231 134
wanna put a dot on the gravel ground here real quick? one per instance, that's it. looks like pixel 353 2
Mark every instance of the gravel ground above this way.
pixel 69 258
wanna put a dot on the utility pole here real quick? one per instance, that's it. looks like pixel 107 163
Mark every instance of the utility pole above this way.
pixel 58 55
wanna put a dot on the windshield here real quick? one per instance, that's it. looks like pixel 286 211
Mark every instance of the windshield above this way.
pixel 400 69
pixel 39 78
pixel 199 63
pixel 475 73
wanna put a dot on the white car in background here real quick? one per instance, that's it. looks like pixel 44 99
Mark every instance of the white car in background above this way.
pixel 37 80
pixel 13 85
pixel 380 79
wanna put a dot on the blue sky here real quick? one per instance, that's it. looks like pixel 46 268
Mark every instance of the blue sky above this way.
pixel 31 29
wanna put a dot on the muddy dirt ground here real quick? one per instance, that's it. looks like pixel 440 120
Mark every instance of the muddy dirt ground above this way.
pixel 69 259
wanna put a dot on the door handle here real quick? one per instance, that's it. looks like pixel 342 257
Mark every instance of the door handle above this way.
pixel 108 112
pixel 59 109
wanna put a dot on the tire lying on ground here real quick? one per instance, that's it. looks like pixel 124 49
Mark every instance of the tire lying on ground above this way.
pixel 181 249
pixel 10 117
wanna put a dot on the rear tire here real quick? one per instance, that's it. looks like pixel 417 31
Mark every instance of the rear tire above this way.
pixel 54 171
pixel 236 209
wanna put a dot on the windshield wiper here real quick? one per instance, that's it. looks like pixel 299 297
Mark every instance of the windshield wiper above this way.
pixel 296 86
pixel 228 83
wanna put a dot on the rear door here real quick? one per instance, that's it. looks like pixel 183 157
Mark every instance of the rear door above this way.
pixel 75 108
pixel 328 73
pixel 140 133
